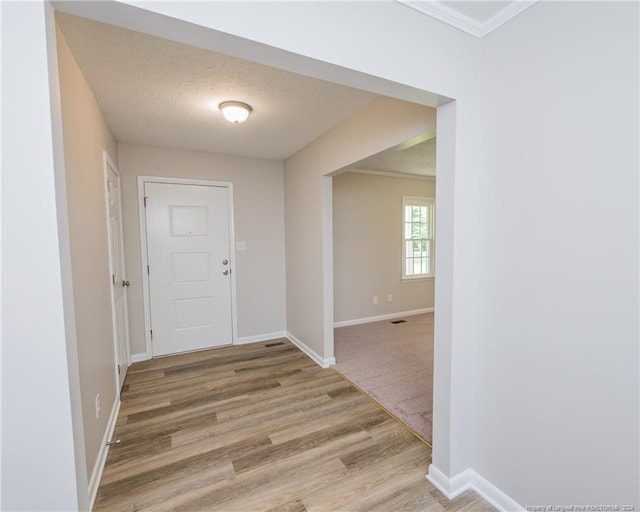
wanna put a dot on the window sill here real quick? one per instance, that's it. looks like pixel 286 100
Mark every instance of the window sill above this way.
pixel 418 278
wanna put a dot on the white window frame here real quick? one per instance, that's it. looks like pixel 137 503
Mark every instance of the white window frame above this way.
pixel 430 203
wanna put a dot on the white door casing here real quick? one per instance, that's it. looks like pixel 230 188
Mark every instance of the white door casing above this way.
pixel 119 282
pixel 188 241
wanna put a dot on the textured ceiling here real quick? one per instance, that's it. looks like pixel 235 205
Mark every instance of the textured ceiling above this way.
pixel 478 17
pixel 161 93
pixel 418 159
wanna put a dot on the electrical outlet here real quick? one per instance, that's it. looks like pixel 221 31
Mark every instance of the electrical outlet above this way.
pixel 375 299
pixel 389 298
pixel 98 406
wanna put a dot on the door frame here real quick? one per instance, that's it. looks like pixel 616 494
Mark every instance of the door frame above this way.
pixel 144 254
pixel 107 164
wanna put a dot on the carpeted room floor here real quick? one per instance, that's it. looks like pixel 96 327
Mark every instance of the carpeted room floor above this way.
pixel 393 363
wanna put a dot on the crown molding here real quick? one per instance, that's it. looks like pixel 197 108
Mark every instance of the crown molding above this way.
pixel 458 20
pixel 391 174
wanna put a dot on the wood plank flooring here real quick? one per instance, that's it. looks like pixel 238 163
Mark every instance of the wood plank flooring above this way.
pixel 261 427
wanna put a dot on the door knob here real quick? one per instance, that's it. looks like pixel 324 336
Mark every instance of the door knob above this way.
pixel 125 283
pixel 225 272
pixel 225 262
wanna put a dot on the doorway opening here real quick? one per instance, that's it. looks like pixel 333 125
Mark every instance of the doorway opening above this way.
pixel 173 28
pixel 384 277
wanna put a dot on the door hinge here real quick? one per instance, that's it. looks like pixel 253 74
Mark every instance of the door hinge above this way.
pixel 145 201
pixel 151 331
pixel 113 279
pixel 147 269
pixel 118 369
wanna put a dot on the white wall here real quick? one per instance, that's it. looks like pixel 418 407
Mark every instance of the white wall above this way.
pixel 43 461
pixel 367 246
pixel 557 353
pixel 86 136
pixel 259 221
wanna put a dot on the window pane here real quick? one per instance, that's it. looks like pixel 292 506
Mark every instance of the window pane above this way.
pixel 415 213
pixel 409 249
pixel 409 266
pixel 424 267
pixel 407 230
pixel 423 214
pixel 407 213
pixel 416 266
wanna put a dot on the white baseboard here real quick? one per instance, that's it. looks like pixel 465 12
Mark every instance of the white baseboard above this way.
pixel 260 337
pixel 96 475
pixel 469 479
pixel 321 361
pixel 136 358
pixel 380 318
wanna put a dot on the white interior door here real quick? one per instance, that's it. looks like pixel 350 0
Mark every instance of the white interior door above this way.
pixel 188 245
pixel 119 282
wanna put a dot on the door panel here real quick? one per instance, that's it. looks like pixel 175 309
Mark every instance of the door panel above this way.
pixel 188 250
pixel 118 280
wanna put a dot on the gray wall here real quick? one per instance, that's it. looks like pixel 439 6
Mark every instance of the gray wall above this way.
pixel 367 246
pixel 258 192
pixel 382 124
pixel 86 135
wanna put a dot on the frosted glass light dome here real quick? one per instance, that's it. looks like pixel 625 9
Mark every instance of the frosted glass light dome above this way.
pixel 235 111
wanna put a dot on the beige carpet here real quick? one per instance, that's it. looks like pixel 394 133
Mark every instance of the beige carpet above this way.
pixel 393 363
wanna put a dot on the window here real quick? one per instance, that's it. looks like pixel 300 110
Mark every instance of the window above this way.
pixel 418 239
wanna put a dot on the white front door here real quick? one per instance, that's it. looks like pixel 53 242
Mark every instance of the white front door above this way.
pixel 119 283
pixel 188 244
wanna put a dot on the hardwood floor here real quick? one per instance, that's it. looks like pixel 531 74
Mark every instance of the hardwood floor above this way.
pixel 261 428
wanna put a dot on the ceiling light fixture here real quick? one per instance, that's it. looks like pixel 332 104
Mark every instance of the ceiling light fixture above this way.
pixel 235 111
